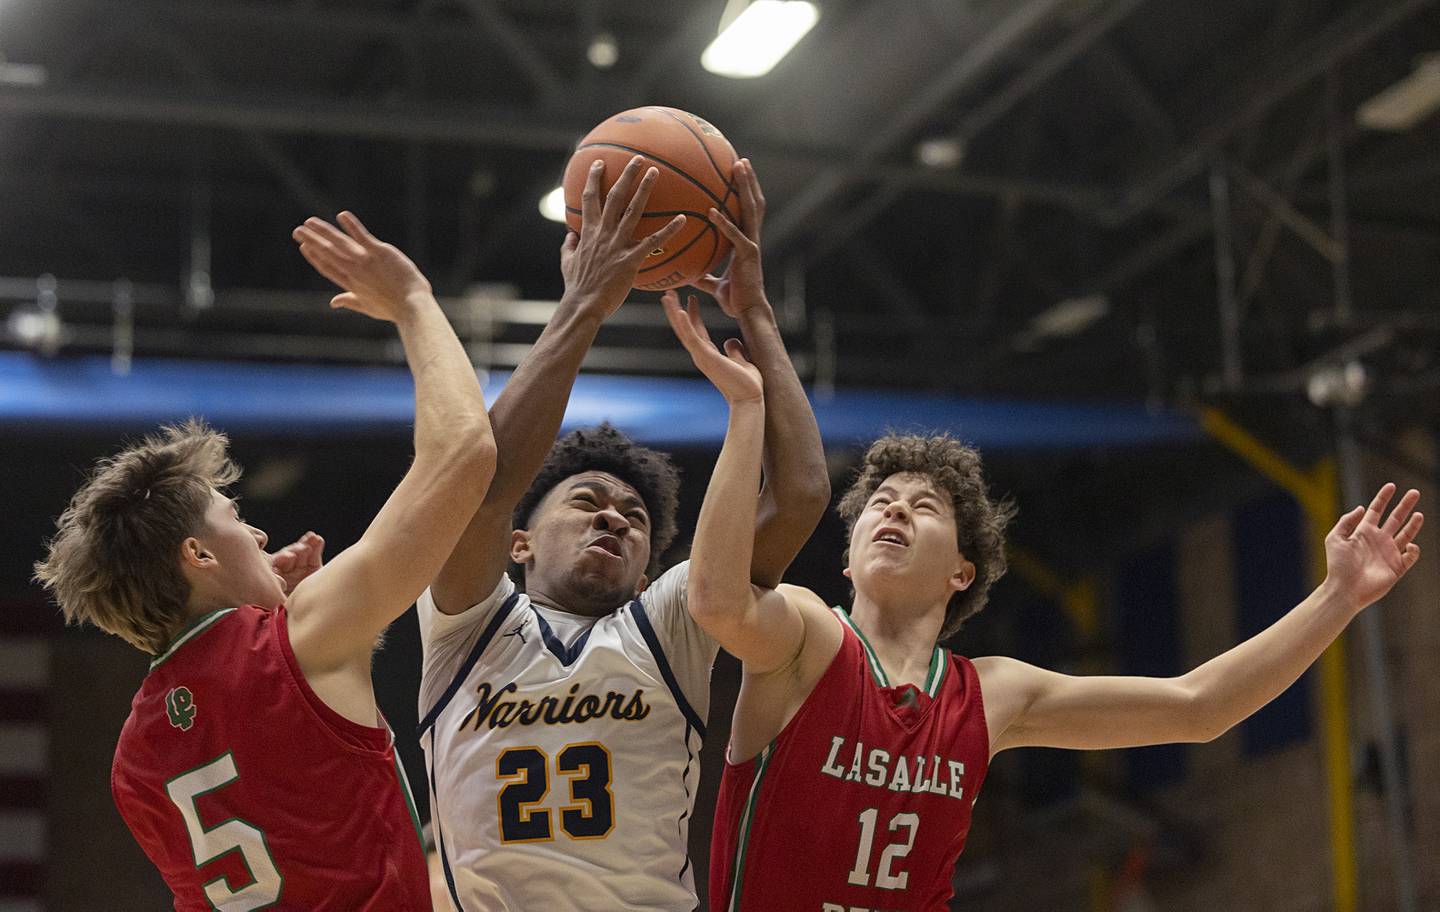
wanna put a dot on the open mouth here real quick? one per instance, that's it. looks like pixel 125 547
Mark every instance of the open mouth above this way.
pixel 607 543
pixel 890 536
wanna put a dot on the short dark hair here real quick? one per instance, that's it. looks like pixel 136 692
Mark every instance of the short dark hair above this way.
pixel 980 520
pixel 605 449
pixel 115 558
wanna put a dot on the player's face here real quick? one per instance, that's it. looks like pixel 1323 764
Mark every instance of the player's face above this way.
pixel 904 543
pixel 588 544
pixel 240 571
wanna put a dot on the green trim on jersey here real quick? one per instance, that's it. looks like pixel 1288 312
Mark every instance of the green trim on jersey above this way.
pixel 189 633
pixel 936 677
pixel 738 878
pixel 405 789
pixel 933 678
pixel 876 668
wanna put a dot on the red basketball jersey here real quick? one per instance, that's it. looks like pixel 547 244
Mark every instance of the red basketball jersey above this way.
pixel 248 792
pixel 863 801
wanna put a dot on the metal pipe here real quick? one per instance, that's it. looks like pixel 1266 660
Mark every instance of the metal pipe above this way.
pixel 1393 787
pixel 1230 362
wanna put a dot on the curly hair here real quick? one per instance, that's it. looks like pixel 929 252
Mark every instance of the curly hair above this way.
pixel 114 558
pixel 605 449
pixel 980 520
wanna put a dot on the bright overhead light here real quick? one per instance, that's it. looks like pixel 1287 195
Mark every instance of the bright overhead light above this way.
pixel 1407 102
pixel 552 205
pixel 603 51
pixel 759 37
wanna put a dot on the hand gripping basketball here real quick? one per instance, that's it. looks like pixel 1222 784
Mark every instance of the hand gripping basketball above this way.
pixel 600 263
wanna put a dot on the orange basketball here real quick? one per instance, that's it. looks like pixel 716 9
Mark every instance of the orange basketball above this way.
pixel 694 160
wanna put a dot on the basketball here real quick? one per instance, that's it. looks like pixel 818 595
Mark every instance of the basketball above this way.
pixel 694 160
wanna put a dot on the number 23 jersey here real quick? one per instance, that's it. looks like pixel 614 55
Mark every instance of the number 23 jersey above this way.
pixel 863 801
pixel 563 751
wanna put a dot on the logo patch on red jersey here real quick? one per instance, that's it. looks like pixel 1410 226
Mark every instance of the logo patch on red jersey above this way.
pixel 180 707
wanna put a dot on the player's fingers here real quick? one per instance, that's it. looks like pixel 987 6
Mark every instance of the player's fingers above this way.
pixel 567 246
pixel 727 228
pixel 1348 523
pixel 347 300
pixel 325 264
pixel 1382 499
pixel 356 229
pixel 754 211
pixel 1410 530
pixel 674 313
pixel 658 239
pixel 636 207
pixel 1410 556
pixel 1402 510
pixel 344 245
pixel 619 196
pixel 590 196
pixel 735 349
pixel 707 283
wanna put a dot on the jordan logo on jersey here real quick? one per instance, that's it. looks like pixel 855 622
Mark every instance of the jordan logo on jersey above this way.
pixel 519 630
pixel 494 711
pixel 180 707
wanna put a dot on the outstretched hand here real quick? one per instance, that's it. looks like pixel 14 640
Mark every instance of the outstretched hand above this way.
pixel 298 559
pixel 732 373
pixel 378 279
pixel 1366 557
pixel 601 262
pixel 742 284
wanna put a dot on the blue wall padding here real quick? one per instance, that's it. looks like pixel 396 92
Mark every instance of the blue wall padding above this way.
pixel 1147 608
pixel 294 399
pixel 1269 541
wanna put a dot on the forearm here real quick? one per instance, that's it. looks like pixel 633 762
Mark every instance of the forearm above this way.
pixel 1234 685
pixel 797 486
pixel 449 406
pixel 527 414
pixel 722 549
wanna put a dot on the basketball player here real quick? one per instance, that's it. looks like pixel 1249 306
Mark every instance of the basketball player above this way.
pixel 859 738
pixel 562 724
pixel 255 769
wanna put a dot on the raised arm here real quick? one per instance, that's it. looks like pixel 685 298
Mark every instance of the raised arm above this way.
pixel 1030 707
pixel 599 264
pixel 340 609
pixel 757 626
pixel 796 488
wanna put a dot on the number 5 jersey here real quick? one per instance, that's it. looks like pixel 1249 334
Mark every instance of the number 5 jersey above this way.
pixel 563 751
pixel 248 792
pixel 863 801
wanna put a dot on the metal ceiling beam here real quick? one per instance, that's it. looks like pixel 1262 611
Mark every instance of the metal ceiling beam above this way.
pixel 982 118
pixel 1273 84
pixel 470 125
pixel 975 61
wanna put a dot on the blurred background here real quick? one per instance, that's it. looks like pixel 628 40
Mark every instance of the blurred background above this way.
pixel 1173 266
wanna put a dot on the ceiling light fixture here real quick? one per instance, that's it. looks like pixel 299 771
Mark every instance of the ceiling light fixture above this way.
pixel 1405 103
pixel 751 43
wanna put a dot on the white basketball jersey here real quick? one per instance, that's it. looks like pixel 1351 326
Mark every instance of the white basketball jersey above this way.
pixel 563 751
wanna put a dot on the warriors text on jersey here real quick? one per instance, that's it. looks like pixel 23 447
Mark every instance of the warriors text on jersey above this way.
pixel 564 750
pixel 248 792
pixel 876 783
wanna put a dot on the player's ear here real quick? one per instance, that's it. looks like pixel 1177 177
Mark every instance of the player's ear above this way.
pixel 520 547
pixel 194 554
pixel 963 576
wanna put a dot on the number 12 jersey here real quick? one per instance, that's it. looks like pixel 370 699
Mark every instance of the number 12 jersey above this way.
pixel 863 801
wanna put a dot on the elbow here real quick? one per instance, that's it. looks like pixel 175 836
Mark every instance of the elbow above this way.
pixel 1205 719
pixel 469 453
pixel 809 497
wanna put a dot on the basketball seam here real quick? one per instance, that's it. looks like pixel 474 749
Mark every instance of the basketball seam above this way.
pixel 719 202
pixel 704 148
